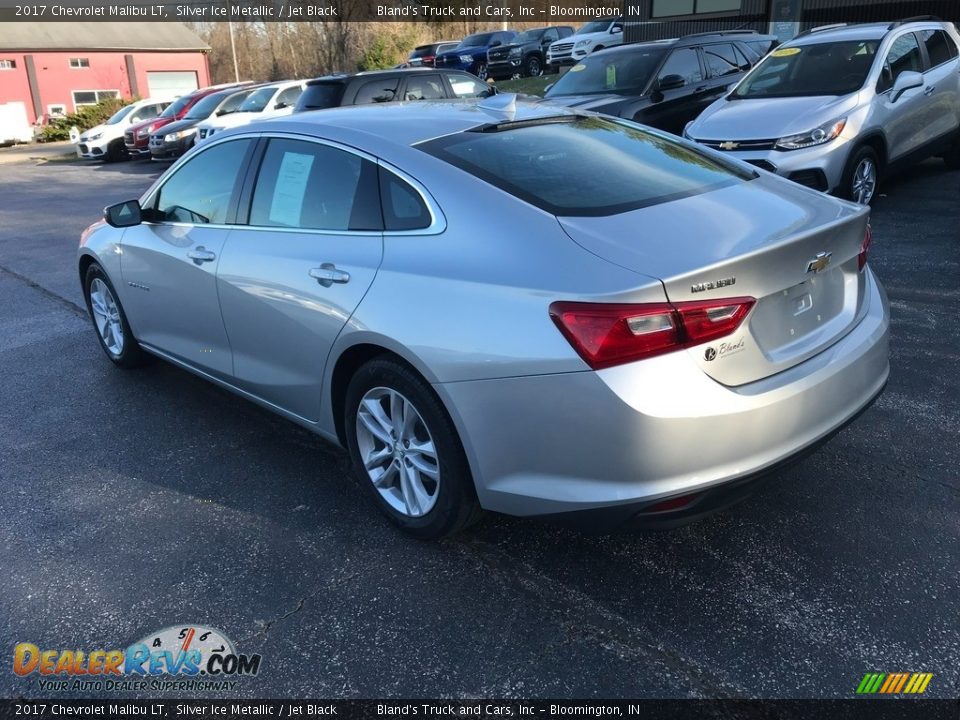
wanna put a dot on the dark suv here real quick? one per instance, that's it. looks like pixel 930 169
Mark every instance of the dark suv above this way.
pixel 471 54
pixel 665 83
pixel 378 86
pixel 526 55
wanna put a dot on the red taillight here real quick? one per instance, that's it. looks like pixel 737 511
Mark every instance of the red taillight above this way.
pixel 606 334
pixel 865 248
pixel 675 503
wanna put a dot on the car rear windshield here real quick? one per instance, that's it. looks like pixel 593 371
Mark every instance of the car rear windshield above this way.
pixel 619 72
pixel 584 166
pixel 204 107
pixel 174 109
pixel 829 68
pixel 422 51
pixel 320 96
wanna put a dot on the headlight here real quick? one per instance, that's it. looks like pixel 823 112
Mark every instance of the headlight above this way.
pixel 92 137
pixel 818 136
pixel 582 43
pixel 466 58
pixel 516 52
pixel 144 133
pixel 171 137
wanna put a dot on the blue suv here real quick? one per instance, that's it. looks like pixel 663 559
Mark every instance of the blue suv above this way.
pixel 471 53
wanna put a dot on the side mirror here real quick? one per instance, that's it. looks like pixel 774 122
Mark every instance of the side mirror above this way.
pixel 280 106
pixel 905 81
pixel 616 30
pixel 670 82
pixel 495 43
pixel 492 90
pixel 125 214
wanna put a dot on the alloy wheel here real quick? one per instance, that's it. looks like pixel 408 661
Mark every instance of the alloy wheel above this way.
pixel 534 69
pixel 482 71
pixel 398 452
pixel 864 182
pixel 106 316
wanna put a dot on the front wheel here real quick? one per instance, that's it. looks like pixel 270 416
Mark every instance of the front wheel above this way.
pixel 482 71
pixel 862 176
pixel 533 67
pixel 406 451
pixel 109 320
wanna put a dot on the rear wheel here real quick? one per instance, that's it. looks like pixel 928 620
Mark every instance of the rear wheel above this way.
pixel 406 451
pixel 109 320
pixel 861 178
pixel 952 158
pixel 533 67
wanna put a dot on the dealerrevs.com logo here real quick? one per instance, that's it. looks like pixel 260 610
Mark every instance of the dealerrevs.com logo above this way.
pixel 182 657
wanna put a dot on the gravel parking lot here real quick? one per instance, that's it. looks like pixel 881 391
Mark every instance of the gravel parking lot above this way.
pixel 132 501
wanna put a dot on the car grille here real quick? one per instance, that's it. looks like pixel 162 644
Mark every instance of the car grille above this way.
pixel 498 55
pixel 561 48
pixel 739 145
pixel 811 178
pixel 128 138
pixel 763 164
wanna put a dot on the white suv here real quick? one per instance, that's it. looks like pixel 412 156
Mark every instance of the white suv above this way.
pixel 593 36
pixel 105 142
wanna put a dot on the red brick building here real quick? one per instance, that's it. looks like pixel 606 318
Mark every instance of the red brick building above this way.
pixel 54 68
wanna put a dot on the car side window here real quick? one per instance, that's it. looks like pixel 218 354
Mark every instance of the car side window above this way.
pixel 565 32
pixel 464 86
pixel 288 97
pixel 904 55
pixel 199 191
pixel 549 36
pixel 403 208
pixel 682 62
pixel 377 91
pixel 313 186
pixel 232 103
pixel 940 47
pixel 722 59
pixel 424 88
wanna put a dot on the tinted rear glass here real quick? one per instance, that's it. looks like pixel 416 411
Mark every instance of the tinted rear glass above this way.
pixel 589 166
pixel 320 96
pixel 619 72
pixel 477 40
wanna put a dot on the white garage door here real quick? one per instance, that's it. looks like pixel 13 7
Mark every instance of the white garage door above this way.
pixel 170 84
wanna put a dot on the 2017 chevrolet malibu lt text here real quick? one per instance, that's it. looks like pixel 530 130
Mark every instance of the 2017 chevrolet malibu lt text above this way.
pixel 639 343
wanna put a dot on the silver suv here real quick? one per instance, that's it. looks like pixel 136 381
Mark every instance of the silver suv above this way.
pixel 837 107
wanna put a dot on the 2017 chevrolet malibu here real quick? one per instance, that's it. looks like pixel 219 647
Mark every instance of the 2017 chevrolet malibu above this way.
pixel 425 285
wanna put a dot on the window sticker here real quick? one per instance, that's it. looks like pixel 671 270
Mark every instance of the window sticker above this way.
pixel 611 76
pixel 578 68
pixel 786 52
pixel 291 186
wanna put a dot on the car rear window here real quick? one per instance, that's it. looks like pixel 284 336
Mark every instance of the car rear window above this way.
pixel 585 166
pixel 320 96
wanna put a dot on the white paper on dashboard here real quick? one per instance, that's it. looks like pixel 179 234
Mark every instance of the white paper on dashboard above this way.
pixel 291 187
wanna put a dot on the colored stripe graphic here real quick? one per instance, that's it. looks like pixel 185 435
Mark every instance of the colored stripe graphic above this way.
pixel 894 683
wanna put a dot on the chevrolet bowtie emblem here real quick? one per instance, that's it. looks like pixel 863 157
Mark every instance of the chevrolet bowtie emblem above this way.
pixel 729 145
pixel 819 262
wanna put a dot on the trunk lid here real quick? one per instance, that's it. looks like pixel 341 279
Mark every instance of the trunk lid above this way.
pixel 793 250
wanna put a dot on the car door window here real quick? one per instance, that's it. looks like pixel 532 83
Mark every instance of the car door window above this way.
pixel 940 47
pixel 377 91
pixel 288 97
pixel 682 62
pixel 424 88
pixel 232 103
pixel 723 59
pixel 403 208
pixel 313 186
pixel 200 190
pixel 904 55
pixel 549 36
pixel 464 86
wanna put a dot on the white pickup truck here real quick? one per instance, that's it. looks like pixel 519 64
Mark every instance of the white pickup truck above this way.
pixel 14 126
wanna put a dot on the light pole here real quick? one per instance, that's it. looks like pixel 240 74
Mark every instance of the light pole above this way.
pixel 233 49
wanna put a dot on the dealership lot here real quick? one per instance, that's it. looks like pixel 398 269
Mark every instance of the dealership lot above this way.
pixel 138 500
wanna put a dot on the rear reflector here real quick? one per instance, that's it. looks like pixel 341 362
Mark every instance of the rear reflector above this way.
pixel 675 503
pixel 865 248
pixel 607 334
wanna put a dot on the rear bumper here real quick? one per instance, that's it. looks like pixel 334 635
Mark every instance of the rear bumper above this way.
pixel 637 434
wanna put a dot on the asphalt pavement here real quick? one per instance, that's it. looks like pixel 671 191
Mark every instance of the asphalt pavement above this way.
pixel 135 500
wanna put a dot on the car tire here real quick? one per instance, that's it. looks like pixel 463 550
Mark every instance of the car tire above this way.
pixel 110 321
pixel 482 71
pixel 428 494
pixel 952 158
pixel 116 151
pixel 533 67
pixel 861 177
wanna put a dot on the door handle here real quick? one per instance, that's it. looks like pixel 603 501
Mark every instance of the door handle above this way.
pixel 201 255
pixel 929 90
pixel 701 88
pixel 328 274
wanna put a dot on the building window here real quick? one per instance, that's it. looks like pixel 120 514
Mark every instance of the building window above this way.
pixel 83 98
pixel 56 110
pixel 8 64
pixel 79 62
pixel 670 8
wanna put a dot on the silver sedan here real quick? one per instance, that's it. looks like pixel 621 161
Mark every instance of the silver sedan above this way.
pixel 503 306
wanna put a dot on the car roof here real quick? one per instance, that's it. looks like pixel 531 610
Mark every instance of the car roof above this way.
pixel 864 31
pixel 688 40
pixel 409 123
pixel 344 77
